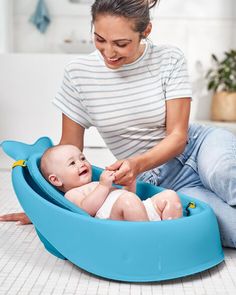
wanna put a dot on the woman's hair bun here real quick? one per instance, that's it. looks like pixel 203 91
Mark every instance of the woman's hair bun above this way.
pixel 152 3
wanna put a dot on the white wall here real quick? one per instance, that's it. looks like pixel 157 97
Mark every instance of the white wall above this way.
pixel 234 24
pixel 6 14
pixel 199 28
pixel 68 20
pixel 28 84
pixel 181 22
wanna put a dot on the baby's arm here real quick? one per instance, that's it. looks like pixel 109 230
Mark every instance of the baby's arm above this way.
pixel 91 201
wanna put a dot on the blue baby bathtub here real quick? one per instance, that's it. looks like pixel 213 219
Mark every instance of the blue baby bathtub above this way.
pixel 118 250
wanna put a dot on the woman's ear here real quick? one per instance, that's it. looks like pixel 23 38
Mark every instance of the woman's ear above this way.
pixel 54 180
pixel 147 31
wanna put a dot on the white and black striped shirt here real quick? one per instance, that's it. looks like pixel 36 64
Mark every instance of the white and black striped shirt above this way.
pixel 126 105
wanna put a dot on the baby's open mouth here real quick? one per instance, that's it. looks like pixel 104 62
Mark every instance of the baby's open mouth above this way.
pixel 83 172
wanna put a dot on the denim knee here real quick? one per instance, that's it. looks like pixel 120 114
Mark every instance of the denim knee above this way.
pixel 217 164
pixel 223 181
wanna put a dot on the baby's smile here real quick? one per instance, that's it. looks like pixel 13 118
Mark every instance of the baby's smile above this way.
pixel 84 171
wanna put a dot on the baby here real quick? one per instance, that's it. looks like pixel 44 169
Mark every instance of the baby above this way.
pixel 65 167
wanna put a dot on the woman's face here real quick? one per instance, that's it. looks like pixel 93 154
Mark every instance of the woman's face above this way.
pixel 116 40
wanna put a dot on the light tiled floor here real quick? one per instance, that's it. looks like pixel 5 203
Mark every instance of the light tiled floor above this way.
pixel 27 268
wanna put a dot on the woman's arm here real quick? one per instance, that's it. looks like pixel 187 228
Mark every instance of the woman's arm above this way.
pixel 20 218
pixel 72 133
pixel 177 117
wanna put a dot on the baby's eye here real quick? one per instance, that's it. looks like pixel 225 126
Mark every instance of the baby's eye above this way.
pixel 72 163
pixel 83 158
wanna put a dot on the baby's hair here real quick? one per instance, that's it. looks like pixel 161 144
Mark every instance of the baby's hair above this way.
pixel 137 10
pixel 45 162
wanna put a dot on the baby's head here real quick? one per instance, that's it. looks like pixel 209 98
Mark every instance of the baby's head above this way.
pixel 65 167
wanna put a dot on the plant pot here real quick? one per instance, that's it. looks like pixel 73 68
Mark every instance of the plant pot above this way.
pixel 223 107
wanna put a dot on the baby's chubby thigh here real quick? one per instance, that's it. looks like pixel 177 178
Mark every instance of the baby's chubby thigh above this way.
pixel 168 204
pixel 128 207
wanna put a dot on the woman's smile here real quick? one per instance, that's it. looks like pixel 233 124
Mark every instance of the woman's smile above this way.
pixel 112 61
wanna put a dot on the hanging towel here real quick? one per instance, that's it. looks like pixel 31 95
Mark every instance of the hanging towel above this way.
pixel 41 18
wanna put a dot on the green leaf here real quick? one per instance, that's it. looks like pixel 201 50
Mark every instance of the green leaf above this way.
pixel 211 85
pixel 209 73
pixel 214 57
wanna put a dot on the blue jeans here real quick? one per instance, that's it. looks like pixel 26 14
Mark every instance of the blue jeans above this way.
pixel 206 170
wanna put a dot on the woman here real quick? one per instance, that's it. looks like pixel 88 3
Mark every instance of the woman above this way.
pixel 138 96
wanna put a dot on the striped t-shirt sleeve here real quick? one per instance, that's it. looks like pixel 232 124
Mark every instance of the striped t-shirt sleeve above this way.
pixel 177 84
pixel 68 100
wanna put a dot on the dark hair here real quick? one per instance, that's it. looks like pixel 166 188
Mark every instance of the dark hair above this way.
pixel 137 10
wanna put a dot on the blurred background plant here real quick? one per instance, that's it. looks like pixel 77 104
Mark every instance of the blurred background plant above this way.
pixel 222 77
pixel 222 80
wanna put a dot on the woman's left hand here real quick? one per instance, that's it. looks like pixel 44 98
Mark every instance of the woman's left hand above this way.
pixel 125 171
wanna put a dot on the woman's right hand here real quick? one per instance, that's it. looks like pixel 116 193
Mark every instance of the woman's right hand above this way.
pixel 20 218
pixel 125 171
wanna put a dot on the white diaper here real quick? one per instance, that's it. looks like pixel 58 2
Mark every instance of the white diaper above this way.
pixel 151 211
pixel 105 211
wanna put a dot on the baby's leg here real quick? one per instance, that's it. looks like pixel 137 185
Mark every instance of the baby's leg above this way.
pixel 128 207
pixel 168 204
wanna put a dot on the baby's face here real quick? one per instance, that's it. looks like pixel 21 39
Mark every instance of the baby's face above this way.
pixel 71 166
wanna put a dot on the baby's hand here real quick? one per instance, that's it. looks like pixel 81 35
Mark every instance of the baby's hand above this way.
pixel 107 177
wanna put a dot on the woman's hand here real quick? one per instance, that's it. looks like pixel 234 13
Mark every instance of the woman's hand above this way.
pixel 21 218
pixel 125 171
